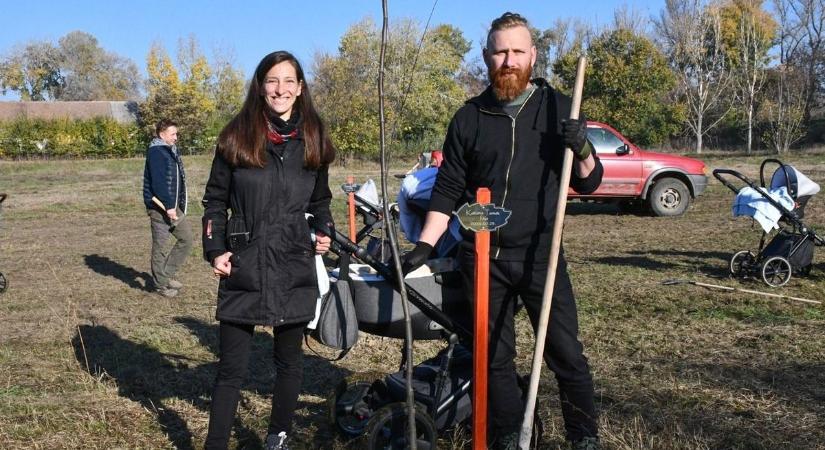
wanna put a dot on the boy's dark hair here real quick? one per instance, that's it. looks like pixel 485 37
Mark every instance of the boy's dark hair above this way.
pixel 162 125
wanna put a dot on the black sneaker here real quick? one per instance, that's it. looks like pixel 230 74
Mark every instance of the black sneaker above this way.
pixel 276 441
pixel 586 443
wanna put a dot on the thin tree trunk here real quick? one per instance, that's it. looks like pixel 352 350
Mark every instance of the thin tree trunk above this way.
pixel 750 127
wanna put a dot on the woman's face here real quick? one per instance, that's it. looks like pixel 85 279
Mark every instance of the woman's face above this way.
pixel 282 88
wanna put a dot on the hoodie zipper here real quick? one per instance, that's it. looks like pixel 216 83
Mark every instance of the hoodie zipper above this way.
pixel 512 156
pixel 177 178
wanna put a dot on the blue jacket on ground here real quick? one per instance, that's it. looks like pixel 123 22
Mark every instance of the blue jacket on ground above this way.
pixel 163 177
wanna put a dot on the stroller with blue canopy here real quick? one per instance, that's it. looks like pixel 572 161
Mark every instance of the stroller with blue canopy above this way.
pixel 780 207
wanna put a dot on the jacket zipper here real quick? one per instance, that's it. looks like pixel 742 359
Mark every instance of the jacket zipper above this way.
pixel 282 180
pixel 177 178
pixel 264 233
pixel 512 156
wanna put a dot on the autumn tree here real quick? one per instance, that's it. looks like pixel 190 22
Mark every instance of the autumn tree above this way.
pixel 803 42
pixel 92 73
pixel 421 90
pixel 748 33
pixel 227 89
pixel 691 37
pixel 76 69
pixel 788 83
pixel 181 92
pixel 33 71
pixel 627 86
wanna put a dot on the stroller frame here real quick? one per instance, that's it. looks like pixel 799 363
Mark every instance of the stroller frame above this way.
pixel 774 261
pixel 369 404
pixel 357 401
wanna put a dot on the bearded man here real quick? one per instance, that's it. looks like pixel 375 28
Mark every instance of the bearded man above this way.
pixel 511 139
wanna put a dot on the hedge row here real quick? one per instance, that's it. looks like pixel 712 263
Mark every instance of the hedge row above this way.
pixel 64 138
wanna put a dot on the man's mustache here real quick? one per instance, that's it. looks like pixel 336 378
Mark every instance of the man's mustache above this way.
pixel 508 71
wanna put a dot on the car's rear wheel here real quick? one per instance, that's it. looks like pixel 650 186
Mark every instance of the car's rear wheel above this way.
pixel 669 197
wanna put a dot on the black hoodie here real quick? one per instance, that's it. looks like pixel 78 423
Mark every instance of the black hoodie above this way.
pixel 519 159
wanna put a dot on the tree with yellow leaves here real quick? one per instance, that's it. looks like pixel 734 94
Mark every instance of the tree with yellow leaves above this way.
pixel 181 92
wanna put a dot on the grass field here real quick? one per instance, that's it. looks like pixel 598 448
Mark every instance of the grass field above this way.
pixel 89 358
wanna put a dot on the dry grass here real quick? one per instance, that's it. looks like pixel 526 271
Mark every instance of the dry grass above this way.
pixel 91 359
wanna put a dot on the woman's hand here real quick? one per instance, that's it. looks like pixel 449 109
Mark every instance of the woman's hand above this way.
pixel 322 243
pixel 221 265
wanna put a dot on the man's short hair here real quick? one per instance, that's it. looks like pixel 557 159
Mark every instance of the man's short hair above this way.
pixel 162 125
pixel 507 20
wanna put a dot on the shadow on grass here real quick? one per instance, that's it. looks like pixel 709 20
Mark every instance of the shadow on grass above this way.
pixel 577 208
pixel 107 267
pixel 261 372
pixel 152 378
pixel 145 375
pixel 710 263
pixel 320 377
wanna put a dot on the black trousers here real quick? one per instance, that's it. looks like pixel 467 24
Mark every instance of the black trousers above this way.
pixel 509 281
pixel 235 343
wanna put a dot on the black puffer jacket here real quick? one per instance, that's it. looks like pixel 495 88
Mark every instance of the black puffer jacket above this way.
pixel 519 159
pixel 273 279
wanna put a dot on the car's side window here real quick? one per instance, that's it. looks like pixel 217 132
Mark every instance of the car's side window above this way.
pixel 603 140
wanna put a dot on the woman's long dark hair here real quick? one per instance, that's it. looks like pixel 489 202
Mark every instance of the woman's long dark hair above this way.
pixel 242 141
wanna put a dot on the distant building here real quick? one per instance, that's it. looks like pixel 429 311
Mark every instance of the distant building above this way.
pixel 123 112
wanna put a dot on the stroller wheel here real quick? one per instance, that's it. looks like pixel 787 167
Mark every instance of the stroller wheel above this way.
pixel 355 400
pixel 387 429
pixel 776 271
pixel 3 283
pixel 741 263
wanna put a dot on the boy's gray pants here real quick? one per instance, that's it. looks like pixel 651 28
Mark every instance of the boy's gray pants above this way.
pixel 166 261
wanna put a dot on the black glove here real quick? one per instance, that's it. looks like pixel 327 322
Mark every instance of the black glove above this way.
pixel 575 137
pixel 416 258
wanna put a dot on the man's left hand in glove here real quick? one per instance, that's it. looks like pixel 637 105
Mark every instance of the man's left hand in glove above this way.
pixel 575 138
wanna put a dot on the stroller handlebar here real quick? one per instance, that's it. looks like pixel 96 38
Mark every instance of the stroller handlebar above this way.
pixel 720 175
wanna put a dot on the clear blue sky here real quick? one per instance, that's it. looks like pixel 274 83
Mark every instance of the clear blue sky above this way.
pixel 251 29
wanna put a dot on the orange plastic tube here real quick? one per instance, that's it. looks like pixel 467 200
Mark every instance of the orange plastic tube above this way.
pixel 482 294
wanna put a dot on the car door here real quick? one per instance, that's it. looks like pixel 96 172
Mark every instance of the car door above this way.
pixel 622 164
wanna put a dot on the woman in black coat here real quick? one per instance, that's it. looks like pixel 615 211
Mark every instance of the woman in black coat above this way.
pixel 270 169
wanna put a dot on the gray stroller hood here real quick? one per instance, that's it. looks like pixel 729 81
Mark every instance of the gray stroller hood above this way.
pixel 800 187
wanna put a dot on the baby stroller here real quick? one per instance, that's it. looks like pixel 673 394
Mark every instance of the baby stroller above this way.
pixel 779 205
pixel 371 405
pixel 4 284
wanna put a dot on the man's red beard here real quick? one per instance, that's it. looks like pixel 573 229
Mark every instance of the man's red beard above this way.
pixel 509 82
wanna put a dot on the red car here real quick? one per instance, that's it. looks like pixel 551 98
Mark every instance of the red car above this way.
pixel 665 183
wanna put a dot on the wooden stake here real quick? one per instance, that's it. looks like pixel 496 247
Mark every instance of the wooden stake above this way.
pixel 547 299
pixel 735 289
